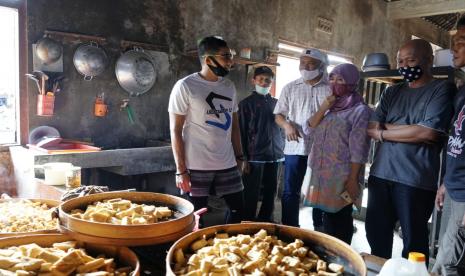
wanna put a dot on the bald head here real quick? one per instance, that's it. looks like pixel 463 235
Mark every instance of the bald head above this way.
pixel 416 52
pixel 419 47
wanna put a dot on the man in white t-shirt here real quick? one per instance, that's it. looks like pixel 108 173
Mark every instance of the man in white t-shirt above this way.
pixel 205 131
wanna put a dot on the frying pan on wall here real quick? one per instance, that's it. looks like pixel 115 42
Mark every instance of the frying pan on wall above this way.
pixel 90 60
pixel 135 71
pixel 48 50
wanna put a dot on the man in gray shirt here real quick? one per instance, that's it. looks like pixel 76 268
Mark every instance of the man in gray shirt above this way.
pixel 410 121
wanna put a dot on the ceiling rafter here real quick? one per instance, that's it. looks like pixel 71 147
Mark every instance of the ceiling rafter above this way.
pixel 422 8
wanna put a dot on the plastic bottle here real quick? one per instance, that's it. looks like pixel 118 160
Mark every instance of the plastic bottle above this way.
pixel 418 263
pixel 396 267
pixel 414 266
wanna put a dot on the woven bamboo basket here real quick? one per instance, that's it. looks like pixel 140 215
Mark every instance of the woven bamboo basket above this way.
pixel 123 255
pixel 50 203
pixel 131 235
pixel 328 248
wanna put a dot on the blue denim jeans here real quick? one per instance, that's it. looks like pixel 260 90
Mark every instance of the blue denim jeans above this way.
pixel 295 167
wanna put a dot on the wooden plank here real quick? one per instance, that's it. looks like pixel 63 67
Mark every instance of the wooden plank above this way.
pixel 420 8
pixel 373 263
pixel 126 44
pixel 74 37
pixel 47 191
pixel 239 60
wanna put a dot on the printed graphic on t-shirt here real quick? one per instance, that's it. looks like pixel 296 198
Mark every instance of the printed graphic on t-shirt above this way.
pixel 217 111
pixel 458 123
pixel 456 143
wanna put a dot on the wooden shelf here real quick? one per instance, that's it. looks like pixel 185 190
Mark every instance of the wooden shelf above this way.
pixel 390 76
pixel 126 44
pixel 74 37
pixel 239 60
pixel 247 61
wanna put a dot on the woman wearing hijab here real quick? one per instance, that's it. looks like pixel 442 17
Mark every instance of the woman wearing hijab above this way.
pixel 339 151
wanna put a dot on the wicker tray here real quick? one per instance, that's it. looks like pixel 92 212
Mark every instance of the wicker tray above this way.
pixel 327 247
pixel 123 255
pixel 50 203
pixel 145 234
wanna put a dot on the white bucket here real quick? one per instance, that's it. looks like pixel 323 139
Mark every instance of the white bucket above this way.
pixel 443 57
pixel 55 173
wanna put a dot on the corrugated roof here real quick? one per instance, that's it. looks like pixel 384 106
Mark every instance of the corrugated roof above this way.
pixel 445 22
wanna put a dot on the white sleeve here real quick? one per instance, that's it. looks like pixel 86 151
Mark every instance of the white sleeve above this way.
pixel 282 106
pixel 179 99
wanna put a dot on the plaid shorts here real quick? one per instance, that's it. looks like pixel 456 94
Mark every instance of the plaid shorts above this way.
pixel 217 182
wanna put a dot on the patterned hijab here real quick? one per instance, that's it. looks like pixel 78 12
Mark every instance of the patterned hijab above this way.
pixel 351 97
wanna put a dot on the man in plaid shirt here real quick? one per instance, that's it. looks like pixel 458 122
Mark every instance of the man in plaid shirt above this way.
pixel 298 101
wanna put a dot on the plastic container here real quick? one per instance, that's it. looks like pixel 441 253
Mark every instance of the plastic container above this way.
pixel 55 173
pixel 417 261
pixel 414 266
pixel 73 178
pixel 100 109
pixel 396 266
pixel 45 105
pixel 443 57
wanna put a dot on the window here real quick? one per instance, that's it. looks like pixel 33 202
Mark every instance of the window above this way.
pixel 434 46
pixel 288 60
pixel 9 76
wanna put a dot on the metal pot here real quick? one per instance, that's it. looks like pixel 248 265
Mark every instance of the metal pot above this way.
pixel 48 50
pixel 39 133
pixel 375 61
pixel 90 60
pixel 135 71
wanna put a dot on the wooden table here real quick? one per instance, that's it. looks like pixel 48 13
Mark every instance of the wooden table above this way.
pixel 42 190
pixel 373 263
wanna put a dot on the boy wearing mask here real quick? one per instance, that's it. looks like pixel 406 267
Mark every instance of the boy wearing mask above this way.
pixel 262 145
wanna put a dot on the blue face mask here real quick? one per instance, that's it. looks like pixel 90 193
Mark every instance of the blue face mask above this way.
pixel 262 90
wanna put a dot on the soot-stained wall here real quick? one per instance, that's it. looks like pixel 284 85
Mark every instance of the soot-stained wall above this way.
pixel 360 27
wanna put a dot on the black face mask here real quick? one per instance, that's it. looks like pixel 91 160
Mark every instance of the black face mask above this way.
pixel 219 70
pixel 411 73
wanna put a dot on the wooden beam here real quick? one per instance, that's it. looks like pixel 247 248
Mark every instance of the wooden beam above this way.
pixel 419 8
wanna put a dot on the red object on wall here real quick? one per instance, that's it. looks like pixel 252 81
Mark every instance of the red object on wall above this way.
pixel 45 105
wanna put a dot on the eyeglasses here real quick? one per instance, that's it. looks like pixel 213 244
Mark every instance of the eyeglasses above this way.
pixel 226 56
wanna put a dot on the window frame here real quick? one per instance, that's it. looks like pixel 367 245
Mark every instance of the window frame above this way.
pixel 295 54
pixel 21 7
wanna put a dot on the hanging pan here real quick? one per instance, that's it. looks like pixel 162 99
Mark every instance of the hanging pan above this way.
pixel 90 60
pixel 135 71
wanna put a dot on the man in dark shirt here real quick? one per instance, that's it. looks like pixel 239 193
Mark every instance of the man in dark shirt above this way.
pixel 450 254
pixel 409 122
pixel 262 144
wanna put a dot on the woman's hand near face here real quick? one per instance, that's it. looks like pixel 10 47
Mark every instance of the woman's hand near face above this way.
pixel 328 102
